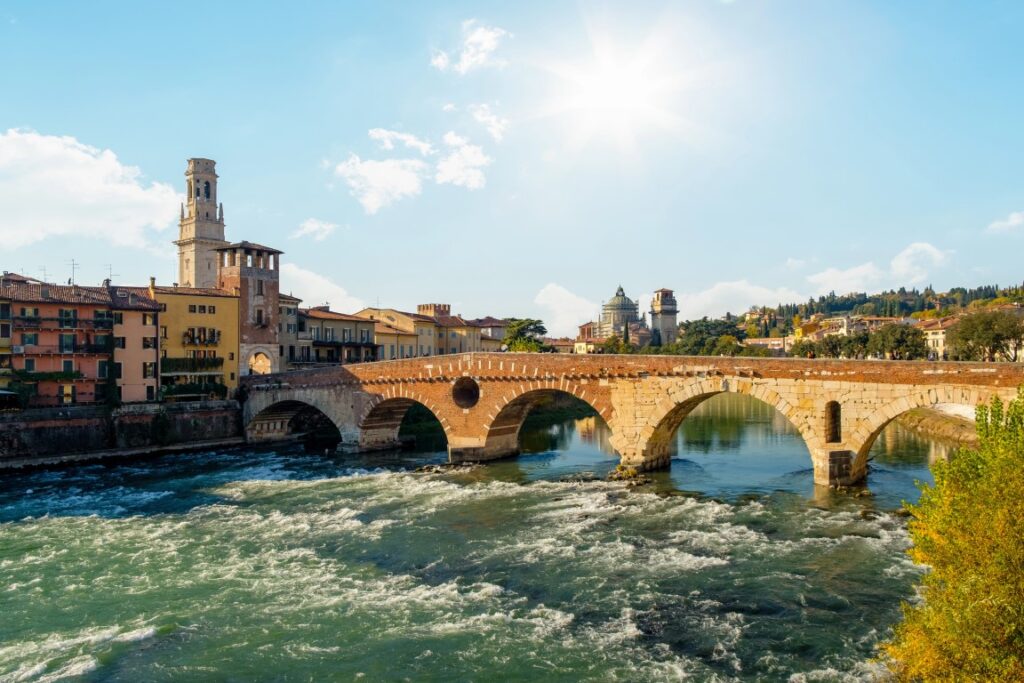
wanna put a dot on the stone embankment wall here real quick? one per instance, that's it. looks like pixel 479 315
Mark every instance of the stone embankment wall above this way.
pixel 73 433
pixel 941 426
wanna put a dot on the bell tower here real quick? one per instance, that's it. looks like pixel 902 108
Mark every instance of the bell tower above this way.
pixel 201 229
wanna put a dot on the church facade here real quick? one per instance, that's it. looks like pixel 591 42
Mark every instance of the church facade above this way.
pixel 620 317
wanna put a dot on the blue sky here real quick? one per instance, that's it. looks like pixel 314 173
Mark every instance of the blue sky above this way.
pixel 524 158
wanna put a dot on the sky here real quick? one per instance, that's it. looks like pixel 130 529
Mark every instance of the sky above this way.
pixel 524 159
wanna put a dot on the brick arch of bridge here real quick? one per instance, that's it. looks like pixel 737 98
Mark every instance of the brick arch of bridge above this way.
pixel 383 412
pixel 649 447
pixel 270 417
pixel 868 429
pixel 505 419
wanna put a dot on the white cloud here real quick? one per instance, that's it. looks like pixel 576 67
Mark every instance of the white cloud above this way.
pixel 478 45
pixel 317 229
pixel 388 138
pixel 732 297
pixel 53 186
pixel 795 263
pixel 564 311
pixel 1012 223
pixel 316 290
pixel 911 266
pixel 863 278
pixel 494 124
pixel 462 166
pixel 379 183
pixel 440 61
pixel 449 107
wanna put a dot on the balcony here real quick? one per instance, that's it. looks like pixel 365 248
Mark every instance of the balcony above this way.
pixel 63 349
pixel 191 366
pixel 196 340
pixel 30 322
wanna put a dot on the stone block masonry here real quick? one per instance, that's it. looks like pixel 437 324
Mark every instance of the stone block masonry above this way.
pixel 481 399
pixel 75 433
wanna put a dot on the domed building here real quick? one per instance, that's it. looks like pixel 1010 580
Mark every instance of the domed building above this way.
pixel 617 313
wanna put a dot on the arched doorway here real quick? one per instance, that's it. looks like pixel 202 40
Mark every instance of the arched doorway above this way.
pixel 260 364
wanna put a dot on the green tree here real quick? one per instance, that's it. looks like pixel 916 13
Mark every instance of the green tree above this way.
pixel 524 335
pixel 855 345
pixel 898 342
pixel 805 348
pixel 700 337
pixel 726 345
pixel 969 529
pixel 986 335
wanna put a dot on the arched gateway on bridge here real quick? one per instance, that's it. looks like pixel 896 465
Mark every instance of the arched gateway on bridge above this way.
pixel 839 407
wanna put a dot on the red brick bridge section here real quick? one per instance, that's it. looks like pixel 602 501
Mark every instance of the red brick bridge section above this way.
pixel 481 399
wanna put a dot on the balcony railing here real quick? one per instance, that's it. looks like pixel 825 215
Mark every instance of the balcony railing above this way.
pixel 195 340
pixel 184 366
pixel 35 321
pixel 87 348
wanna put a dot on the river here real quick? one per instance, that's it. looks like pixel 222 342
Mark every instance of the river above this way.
pixel 284 565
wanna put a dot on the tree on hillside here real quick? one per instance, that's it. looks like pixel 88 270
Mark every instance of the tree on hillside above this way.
pixel 525 334
pixel 969 529
pixel 700 337
pixel 898 342
pixel 985 335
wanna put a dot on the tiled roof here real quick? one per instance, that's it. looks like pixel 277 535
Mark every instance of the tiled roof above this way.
pixel 39 292
pixel 320 314
pixel 195 291
pixel 249 245
pixel 490 321
pixel 288 298
pixel 383 328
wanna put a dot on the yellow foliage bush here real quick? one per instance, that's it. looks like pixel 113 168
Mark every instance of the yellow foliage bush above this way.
pixel 969 530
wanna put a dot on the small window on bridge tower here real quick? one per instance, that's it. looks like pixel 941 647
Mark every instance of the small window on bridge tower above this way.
pixel 834 422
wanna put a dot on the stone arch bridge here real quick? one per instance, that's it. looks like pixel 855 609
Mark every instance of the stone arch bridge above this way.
pixel 481 399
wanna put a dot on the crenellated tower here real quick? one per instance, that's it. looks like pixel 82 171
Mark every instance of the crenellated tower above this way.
pixel 201 229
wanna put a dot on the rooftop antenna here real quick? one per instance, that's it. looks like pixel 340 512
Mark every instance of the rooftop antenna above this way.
pixel 74 266
pixel 43 268
pixel 110 272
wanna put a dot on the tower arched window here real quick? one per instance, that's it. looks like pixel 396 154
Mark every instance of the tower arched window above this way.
pixel 206 189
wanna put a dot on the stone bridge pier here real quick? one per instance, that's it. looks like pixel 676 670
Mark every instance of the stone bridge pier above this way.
pixel 481 400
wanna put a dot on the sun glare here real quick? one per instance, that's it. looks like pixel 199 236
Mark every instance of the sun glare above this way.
pixel 616 96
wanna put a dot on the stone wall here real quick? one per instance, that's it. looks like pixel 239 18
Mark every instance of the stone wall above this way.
pixel 57 433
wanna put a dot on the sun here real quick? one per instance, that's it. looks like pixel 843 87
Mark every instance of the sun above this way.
pixel 616 95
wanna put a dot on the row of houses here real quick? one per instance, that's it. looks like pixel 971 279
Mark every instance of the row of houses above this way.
pixel 72 344
pixel 224 318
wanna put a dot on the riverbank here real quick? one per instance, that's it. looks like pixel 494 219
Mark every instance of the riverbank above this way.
pixel 75 433
pixel 940 426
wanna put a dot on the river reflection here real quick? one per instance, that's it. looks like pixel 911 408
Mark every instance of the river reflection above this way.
pixel 730 446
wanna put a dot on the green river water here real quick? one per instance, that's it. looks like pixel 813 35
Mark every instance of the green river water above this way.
pixel 282 565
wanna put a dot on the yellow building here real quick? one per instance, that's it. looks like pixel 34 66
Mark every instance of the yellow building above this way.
pixel 198 341
pixel 338 337
pixel 394 343
pixel 423 327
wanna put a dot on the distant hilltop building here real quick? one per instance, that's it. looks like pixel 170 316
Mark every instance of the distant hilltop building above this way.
pixel 620 317
pixel 664 314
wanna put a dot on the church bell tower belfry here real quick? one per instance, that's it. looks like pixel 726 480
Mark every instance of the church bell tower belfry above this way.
pixel 664 313
pixel 201 229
